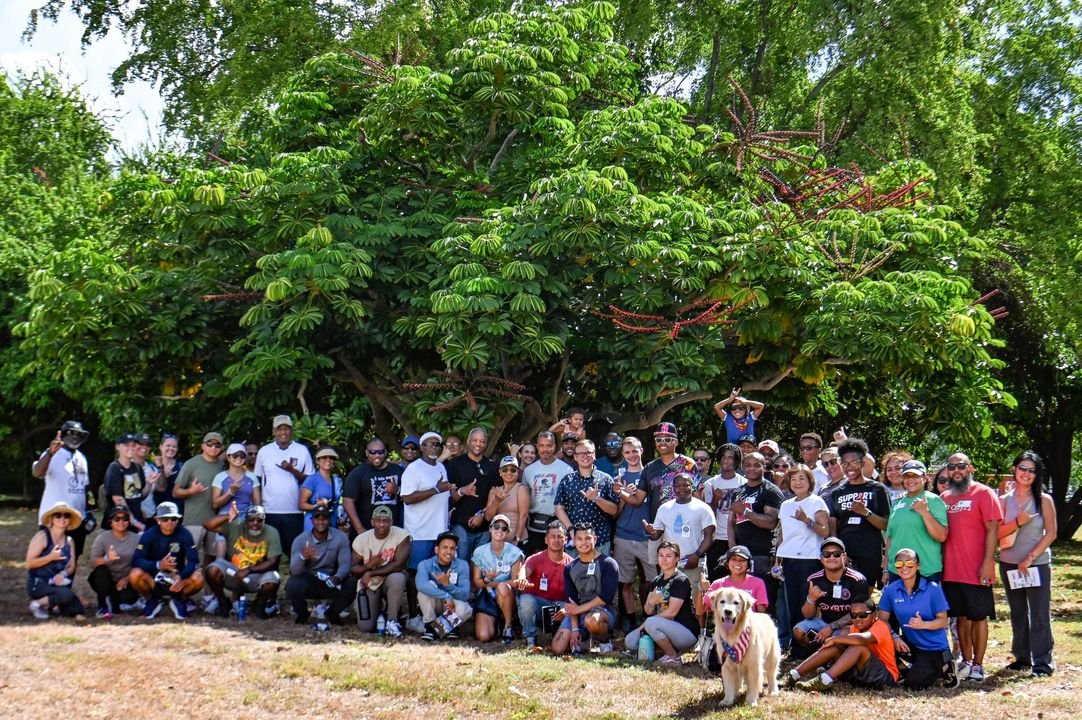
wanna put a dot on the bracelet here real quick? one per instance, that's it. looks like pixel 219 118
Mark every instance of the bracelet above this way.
pixel 808 601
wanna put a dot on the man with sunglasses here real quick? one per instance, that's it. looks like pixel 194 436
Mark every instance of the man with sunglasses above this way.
pixel 194 486
pixel 828 459
pixel 252 553
pixel 859 509
pixel 166 563
pixel 659 473
pixel 473 475
pixel 862 656
pixel 973 518
pixel 831 591
pixel 370 485
pixel 426 495
pixel 64 469
pixel 611 460
pixel 810 447
pixel 281 467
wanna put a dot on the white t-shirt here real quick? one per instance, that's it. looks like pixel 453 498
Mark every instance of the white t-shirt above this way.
pixel 425 520
pixel 718 484
pixel 822 479
pixel 281 491
pixel 798 541
pixel 684 523
pixel 65 481
pixel 542 481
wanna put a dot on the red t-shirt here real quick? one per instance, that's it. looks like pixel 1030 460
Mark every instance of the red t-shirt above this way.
pixel 883 647
pixel 539 566
pixel 967 515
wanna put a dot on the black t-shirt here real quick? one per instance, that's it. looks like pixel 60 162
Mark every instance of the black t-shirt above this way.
pixel 127 483
pixel 679 587
pixel 462 471
pixel 366 486
pixel 840 595
pixel 861 538
pixel 759 541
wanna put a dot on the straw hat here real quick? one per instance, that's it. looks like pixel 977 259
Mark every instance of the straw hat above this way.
pixel 62 508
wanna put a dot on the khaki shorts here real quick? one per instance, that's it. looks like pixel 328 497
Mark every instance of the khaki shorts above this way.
pixel 628 553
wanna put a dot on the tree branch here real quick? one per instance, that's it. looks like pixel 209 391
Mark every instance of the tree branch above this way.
pixel 657 414
pixel 300 396
pixel 499 154
pixel 375 395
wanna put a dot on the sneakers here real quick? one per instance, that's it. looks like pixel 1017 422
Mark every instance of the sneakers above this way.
pixel 429 634
pixel 531 643
pixel 792 678
pixel 976 673
pixel 508 636
pixel 104 614
pixel 416 625
pixel 39 610
pixel 393 629
pixel 950 675
pixel 137 605
pixel 963 669
pixel 451 635
pixel 606 647
pixel 815 684
pixel 224 608
pixel 272 609
pixel 320 611
pixel 152 608
pixel 179 608
pixel 1039 672
pixel 671 661
pixel 211 607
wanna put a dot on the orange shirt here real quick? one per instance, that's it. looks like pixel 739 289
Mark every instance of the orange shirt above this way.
pixel 883 647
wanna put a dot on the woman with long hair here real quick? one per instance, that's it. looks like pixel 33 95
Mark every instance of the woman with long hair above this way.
pixel 1025 564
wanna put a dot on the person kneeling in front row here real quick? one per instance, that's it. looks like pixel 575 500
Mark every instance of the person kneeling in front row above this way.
pixel 443 588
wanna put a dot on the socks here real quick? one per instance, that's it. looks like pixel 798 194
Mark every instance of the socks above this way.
pixel 827 680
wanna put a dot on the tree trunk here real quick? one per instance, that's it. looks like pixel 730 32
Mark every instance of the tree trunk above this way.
pixel 1055 448
pixel 711 76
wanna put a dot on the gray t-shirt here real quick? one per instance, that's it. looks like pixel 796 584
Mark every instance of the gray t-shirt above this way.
pixel 124 548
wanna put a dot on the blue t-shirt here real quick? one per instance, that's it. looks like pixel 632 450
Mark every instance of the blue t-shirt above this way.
pixel 485 560
pixel 629 521
pixel 928 600
pixel 323 490
pixel 607 466
pixel 733 431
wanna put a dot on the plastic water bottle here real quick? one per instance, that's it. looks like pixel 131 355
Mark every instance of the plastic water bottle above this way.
pixel 242 608
pixel 381 624
pixel 646 648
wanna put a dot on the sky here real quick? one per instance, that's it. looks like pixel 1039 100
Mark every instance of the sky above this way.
pixel 134 117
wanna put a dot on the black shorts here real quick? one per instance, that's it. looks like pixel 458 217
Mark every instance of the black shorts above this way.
pixel 871 568
pixel 928 666
pixel 973 602
pixel 873 675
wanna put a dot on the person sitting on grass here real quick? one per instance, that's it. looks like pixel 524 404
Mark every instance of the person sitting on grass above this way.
pixel 921 609
pixel 380 556
pixel 250 564
pixel 319 568
pixel 863 656
pixel 670 611
pixel 50 562
pixel 443 587
pixel 591 583
pixel 166 563
pixel 494 564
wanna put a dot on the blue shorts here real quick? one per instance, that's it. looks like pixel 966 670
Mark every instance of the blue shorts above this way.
pixel 420 550
pixel 565 624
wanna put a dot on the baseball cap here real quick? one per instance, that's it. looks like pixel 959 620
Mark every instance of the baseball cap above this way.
pixel 280 420
pixel 502 517
pixel 914 467
pixel 738 551
pixel 235 448
pixel 382 511
pixel 770 444
pixel 327 452
pixel 570 436
pixel 666 428
pixel 832 540
pixel 256 511
pixel 125 438
pixel 143 439
pixel 213 436
pixel 411 439
pixel 746 438
pixel 508 460
pixel 321 510
pixel 431 436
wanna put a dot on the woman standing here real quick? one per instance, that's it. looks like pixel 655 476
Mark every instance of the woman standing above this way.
pixel 670 611
pixel 50 562
pixel 1029 515
pixel 322 488
pixel 235 484
pixel 804 522
pixel 527 455
pixel 512 499
pixel 170 469
pixel 918 520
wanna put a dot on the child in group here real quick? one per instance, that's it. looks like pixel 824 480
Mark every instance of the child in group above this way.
pixel 864 656
pixel 740 416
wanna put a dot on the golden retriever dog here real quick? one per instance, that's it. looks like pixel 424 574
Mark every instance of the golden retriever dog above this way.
pixel 747 645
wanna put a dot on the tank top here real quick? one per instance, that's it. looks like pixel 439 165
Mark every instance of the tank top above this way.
pixel 56 566
pixel 509 507
pixel 1028 535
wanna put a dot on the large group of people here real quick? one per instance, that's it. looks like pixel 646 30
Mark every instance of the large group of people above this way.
pixel 566 545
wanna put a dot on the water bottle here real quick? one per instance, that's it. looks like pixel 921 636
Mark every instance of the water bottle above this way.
pixel 381 624
pixel 646 648
pixel 242 608
pixel 364 612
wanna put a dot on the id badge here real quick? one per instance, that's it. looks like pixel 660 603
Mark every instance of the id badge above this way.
pixel 685 531
pixel 452 577
pixel 855 519
pixel 837 593
pixel 591 568
pixel 543 586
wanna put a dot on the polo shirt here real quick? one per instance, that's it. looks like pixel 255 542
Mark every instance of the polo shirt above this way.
pixel 928 600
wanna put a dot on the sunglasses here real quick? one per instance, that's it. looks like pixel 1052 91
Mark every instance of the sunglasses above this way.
pixel 809 447
pixel 828 463
pixel 661 440
pixel 239 456
pixel 168 519
pixel 376 452
pixel 431 443
pixel 905 564
pixel 121 518
pixel 213 444
pixel 501 527
pixel 781 466
pixel 860 615
pixel 957 466
pixel 1027 470
pixel 702 459
pixel 62 516
pixel 831 553
pixel 613 444
pixel 508 469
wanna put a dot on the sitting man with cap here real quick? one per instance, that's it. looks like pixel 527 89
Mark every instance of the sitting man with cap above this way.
pixel 252 553
pixel 830 593
pixel 166 563
pixel 443 586
pixel 319 569
pixel 379 563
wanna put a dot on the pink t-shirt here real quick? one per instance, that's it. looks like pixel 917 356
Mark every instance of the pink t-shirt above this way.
pixel 967 515
pixel 752 586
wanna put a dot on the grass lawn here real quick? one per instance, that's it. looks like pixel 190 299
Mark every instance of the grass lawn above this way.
pixel 209 667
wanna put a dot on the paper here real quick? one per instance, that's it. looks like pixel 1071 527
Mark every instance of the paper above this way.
pixel 1018 579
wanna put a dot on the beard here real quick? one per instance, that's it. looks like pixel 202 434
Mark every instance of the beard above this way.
pixel 961 484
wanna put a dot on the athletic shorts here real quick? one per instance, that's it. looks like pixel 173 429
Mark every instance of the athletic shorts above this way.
pixel 873 675
pixel 973 602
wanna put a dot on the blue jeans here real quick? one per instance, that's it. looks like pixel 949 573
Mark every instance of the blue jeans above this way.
pixel 529 612
pixel 795 589
pixel 469 540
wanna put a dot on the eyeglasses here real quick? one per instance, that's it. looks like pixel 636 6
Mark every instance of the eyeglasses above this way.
pixel 500 527
pixel 583 453
pixel 828 463
pixel 957 466
pixel 852 463
pixel 454 443
pixel 809 447
pixel 213 444
pixel 860 615
pixel 898 565
pixel 431 443
pixel 1027 470
pixel 378 452
pixel 508 469
pixel 831 553
pixel 702 459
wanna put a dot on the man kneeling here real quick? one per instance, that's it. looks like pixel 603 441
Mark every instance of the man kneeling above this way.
pixel 166 563
pixel 863 656
pixel 443 589
pixel 252 552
